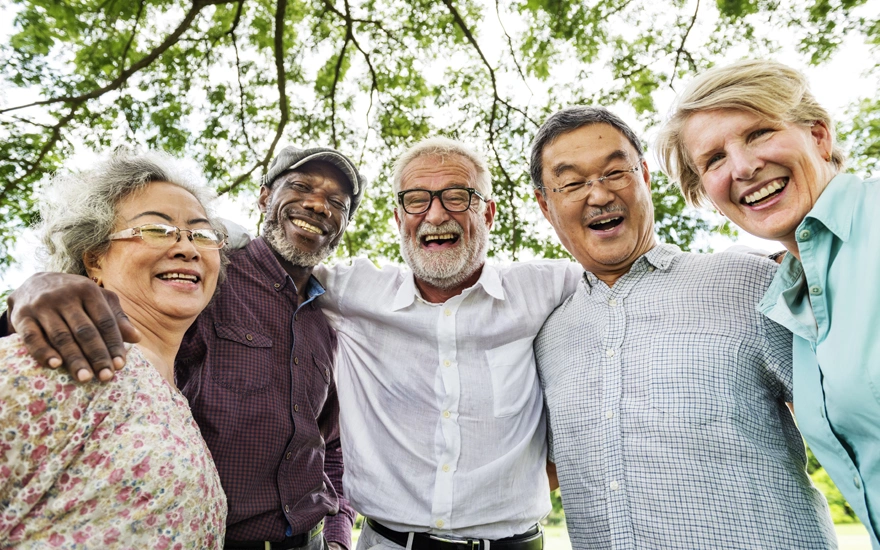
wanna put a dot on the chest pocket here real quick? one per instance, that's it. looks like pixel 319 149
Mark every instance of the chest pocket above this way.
pixel 691 375
pixel 514 376
pixel 322 372
pixel 241 360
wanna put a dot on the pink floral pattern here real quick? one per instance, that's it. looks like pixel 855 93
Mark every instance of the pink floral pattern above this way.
pixel 117 465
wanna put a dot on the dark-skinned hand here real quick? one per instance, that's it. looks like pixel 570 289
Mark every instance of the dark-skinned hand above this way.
pixel 69 320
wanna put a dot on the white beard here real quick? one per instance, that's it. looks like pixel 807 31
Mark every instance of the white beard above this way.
pixel 448 268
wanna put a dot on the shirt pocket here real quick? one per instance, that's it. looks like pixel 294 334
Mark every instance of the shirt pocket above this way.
pixel 323 365
pixel 514 376
pixel 691 375
pixel 242 359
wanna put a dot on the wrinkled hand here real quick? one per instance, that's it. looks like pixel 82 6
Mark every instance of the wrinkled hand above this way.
pixel 68 319
pixel 334 546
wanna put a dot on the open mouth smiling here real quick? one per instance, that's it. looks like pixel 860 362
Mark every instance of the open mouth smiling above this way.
pixel 439 239
pixel 183 277
pixel 307 226
pixel 606 224
pixel 765 193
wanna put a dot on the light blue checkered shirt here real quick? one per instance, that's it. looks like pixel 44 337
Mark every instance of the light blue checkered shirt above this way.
pixel 666 396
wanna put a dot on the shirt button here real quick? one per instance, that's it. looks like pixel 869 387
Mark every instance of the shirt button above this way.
pixel 614 485
pixel 612 302
pixel 446 467
pixel 804 235
pixel 288 455
pixel 327 373
pixel 609 414
pixel 296 316
pixel 447 312
pixel 277 285
pixel 815 290
pixel 296 360
pixel 446 414
pixel 857 482
pixel 439 523
pixel 610 353
pixel 296 408
pixel 287 508
pixel 651 268
pixel 447 363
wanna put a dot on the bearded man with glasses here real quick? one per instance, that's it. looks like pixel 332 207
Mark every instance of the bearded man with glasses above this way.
pixel 666 390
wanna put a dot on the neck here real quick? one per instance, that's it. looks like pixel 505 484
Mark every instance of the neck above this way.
pixel 160 340
pixel 298 273
pixel 610 274
pixel 438 295
pixel 791 246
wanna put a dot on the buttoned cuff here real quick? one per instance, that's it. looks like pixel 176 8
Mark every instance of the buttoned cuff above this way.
pixel 338 529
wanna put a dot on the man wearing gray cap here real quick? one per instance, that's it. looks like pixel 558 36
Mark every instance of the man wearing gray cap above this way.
pixel 257 366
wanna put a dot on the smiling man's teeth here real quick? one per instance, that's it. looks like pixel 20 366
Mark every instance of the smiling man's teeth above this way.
pixel 308 227
pixel 604 222
pixel 774 186
pixel 179 276
pixel 441 236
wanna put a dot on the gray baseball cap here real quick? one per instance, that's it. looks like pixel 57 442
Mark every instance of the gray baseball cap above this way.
pixel 291 158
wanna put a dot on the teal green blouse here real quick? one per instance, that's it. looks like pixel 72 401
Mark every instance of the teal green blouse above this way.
pixel 830 300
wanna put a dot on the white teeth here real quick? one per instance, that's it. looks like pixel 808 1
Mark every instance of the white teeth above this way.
pixel 441 236
pixel 772 187
pixel 609 220
pixel 308 227
pixel 179 276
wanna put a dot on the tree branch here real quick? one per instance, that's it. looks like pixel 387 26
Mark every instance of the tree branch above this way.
pixel 134 29
pixel 681 46
pixel 283 105
pixel 510 45
pixel 145 61
pixel 348 37
pixel 54 136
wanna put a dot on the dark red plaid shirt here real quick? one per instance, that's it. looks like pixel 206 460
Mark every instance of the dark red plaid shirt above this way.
pixel 258 373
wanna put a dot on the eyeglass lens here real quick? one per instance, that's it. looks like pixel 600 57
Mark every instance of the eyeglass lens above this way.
pixel 453 199
pixel 163 234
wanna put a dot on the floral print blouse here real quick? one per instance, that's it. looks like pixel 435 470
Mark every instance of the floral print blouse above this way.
pixel 102 465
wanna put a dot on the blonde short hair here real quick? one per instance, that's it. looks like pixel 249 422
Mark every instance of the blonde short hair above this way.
pixel 767 89
pixel 444 148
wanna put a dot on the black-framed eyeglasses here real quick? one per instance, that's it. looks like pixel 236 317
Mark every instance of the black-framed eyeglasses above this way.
pixel 453 199
pixel 159 234
pixel 614 180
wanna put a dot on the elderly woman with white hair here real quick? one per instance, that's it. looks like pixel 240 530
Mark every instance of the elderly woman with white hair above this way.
pixel 751 139
pixel 121 464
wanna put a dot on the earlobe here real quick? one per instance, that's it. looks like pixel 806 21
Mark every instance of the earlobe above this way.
pixel 490 213
pixel 92 263
pixel 263 201
pixel 397 218
pixel 823 138
pixel 542 203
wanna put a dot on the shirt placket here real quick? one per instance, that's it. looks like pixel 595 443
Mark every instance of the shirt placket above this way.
pixel 447 461
pixel 619 521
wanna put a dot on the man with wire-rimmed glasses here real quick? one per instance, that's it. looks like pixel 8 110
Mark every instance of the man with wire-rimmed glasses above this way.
pixel 666 389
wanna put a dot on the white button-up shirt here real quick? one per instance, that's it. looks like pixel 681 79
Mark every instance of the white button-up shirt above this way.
pixel 442 419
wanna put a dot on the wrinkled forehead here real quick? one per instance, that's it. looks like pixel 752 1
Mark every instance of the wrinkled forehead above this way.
pixel 316 171
pixel 438 171
pixel 587 148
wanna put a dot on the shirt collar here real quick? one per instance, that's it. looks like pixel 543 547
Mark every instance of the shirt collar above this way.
pixel 274 274
pixel 490 281
pixel 834 207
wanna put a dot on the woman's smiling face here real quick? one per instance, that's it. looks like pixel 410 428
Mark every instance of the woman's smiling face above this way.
pixel 159 281
pixel 765 176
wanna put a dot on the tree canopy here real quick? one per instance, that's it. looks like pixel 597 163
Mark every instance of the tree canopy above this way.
pixel 227 82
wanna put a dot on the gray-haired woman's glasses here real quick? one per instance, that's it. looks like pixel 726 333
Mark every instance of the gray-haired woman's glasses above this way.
pixel 158 234
pixel 453 199
pixel 615 180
